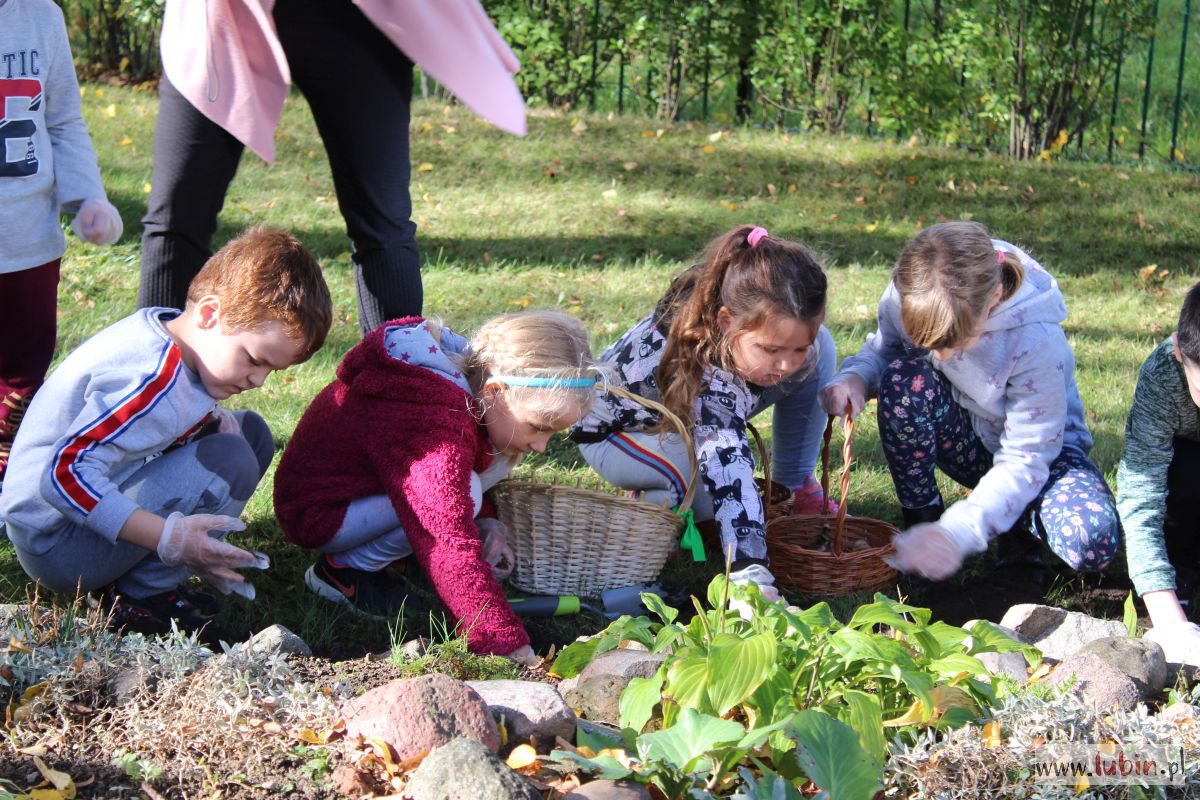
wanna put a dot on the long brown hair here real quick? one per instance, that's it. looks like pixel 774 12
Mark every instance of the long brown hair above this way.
pixel 946 276
pixel 773 277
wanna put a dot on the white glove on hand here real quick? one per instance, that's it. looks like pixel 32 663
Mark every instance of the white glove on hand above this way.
pixel 525 655
pixel 227 422
pixel 844 390
pixel 186 542
pixel 496 551
pixel 97 221
pixel 928 550
pixel 1180 641
pixel 756 574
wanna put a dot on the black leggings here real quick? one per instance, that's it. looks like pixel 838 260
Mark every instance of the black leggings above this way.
pixel 1183 508
pixel 359 88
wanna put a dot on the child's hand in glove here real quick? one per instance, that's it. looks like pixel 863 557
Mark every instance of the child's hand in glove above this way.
pixel 927 550
pixel 185 541
pixel 97 221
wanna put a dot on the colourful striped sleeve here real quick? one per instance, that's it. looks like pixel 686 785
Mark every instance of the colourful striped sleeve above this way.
pixel 112 422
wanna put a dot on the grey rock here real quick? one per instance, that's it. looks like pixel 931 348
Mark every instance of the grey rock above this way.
pixel 415 715
pixel 1096 682
pixel 1007 665
pixel 413 648
pixel 272 641
pixel 624 663
pixel 464 769
pixel 1143 661
pixel 610 790
pixel 532 711
pixel 1058 633
pixel 598 698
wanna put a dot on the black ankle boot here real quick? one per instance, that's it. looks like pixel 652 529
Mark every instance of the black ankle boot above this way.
pixel 915 516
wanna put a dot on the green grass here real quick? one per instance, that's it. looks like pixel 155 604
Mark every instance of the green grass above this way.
pixel 596 222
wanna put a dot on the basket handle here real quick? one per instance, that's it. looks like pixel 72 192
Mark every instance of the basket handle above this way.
pixel 766 463
pixel 847 460
pixel 686 503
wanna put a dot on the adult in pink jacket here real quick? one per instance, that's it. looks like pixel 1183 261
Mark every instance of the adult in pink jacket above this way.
pixel 227 67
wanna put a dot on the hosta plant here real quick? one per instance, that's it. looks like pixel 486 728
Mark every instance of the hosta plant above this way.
pixel 783 693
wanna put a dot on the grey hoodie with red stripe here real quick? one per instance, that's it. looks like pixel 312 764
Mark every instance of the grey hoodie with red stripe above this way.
pixel 121 398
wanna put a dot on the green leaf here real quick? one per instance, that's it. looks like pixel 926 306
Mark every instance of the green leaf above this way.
pixel 574 657
pixel 1129 615
pixel 768 787
pixel 716 590
pixel 776 687
pixel 639 699
pixel 855 645
pixel 597 738
pixel 657 606
pixel 865 715
pixel 690 740
pixel 737 667
pixel 819 617
pixel 951 664
pixel 987 637
pixel 605 767
pixel 687 682
pixel 830 754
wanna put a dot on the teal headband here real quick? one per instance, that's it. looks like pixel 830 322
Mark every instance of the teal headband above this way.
pixel 546 382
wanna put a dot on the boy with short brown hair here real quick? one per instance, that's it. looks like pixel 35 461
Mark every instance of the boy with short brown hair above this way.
pixel 125 460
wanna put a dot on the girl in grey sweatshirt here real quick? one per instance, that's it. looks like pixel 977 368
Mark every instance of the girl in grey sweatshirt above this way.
pixel 974 375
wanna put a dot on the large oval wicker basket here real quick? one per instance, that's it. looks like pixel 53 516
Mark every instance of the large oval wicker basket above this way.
pixel 574 541
pixel 827 554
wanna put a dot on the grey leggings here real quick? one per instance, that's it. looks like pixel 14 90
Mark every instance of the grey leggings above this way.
pixel 215 474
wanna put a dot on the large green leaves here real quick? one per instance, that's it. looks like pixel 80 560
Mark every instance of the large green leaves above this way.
pixel 638 701
pixel 688 743
pixel 830 754
pixel 724 676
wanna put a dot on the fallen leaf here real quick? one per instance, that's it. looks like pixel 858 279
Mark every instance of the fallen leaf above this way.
pixel 991 734
pixel 716 137
pixel 871 228
pixel 59 780
pixel 730 206
pixel 146 187
pixel 1141 220
pixel 125 142
pixel 522 756
pixel 15 645
pixel 791 188
pixel 708 149
pixel 578 127
pixel 861 200
pixel 609 193
pixel 425 167
pixel 630 166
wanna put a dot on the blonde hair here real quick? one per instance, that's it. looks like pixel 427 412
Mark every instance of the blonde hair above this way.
pixel 266 275
pixel 534 344
pixel 771 277
pixel 946 277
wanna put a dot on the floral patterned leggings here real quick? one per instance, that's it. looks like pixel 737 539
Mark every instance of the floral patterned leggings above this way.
pixel 921 426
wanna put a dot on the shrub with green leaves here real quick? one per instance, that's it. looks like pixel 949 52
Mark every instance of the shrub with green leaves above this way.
pixel 793 692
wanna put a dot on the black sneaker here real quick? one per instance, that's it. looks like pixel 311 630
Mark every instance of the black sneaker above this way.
pixel 374 595
pixel 151 615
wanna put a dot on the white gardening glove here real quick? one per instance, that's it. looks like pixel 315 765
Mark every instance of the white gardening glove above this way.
pixel 227 422
pixel 97 221
pixel 1180 641
pixel 846 390
pixel 525 655
pixel 496 551
pixel 757 574
pixel 185 541
pixel 928 550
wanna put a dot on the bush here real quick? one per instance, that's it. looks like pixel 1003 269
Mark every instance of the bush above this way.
pixel 115 36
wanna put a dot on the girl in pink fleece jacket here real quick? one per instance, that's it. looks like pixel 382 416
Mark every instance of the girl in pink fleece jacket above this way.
pixel 393 457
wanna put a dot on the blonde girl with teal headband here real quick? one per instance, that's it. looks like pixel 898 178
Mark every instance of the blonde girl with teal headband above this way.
pixel 392 460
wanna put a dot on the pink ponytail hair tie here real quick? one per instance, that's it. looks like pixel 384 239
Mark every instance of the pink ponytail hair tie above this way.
pixel 756 236
pixel 1001 257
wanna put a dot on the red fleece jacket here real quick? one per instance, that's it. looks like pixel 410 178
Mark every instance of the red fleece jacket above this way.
pixel 386 427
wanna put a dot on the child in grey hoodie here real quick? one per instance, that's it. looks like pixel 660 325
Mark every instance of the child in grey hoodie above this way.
pixel 974 375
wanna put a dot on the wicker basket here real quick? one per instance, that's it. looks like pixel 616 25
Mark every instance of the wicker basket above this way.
pixel 777 499
pixel 831 554
pixel 580 542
